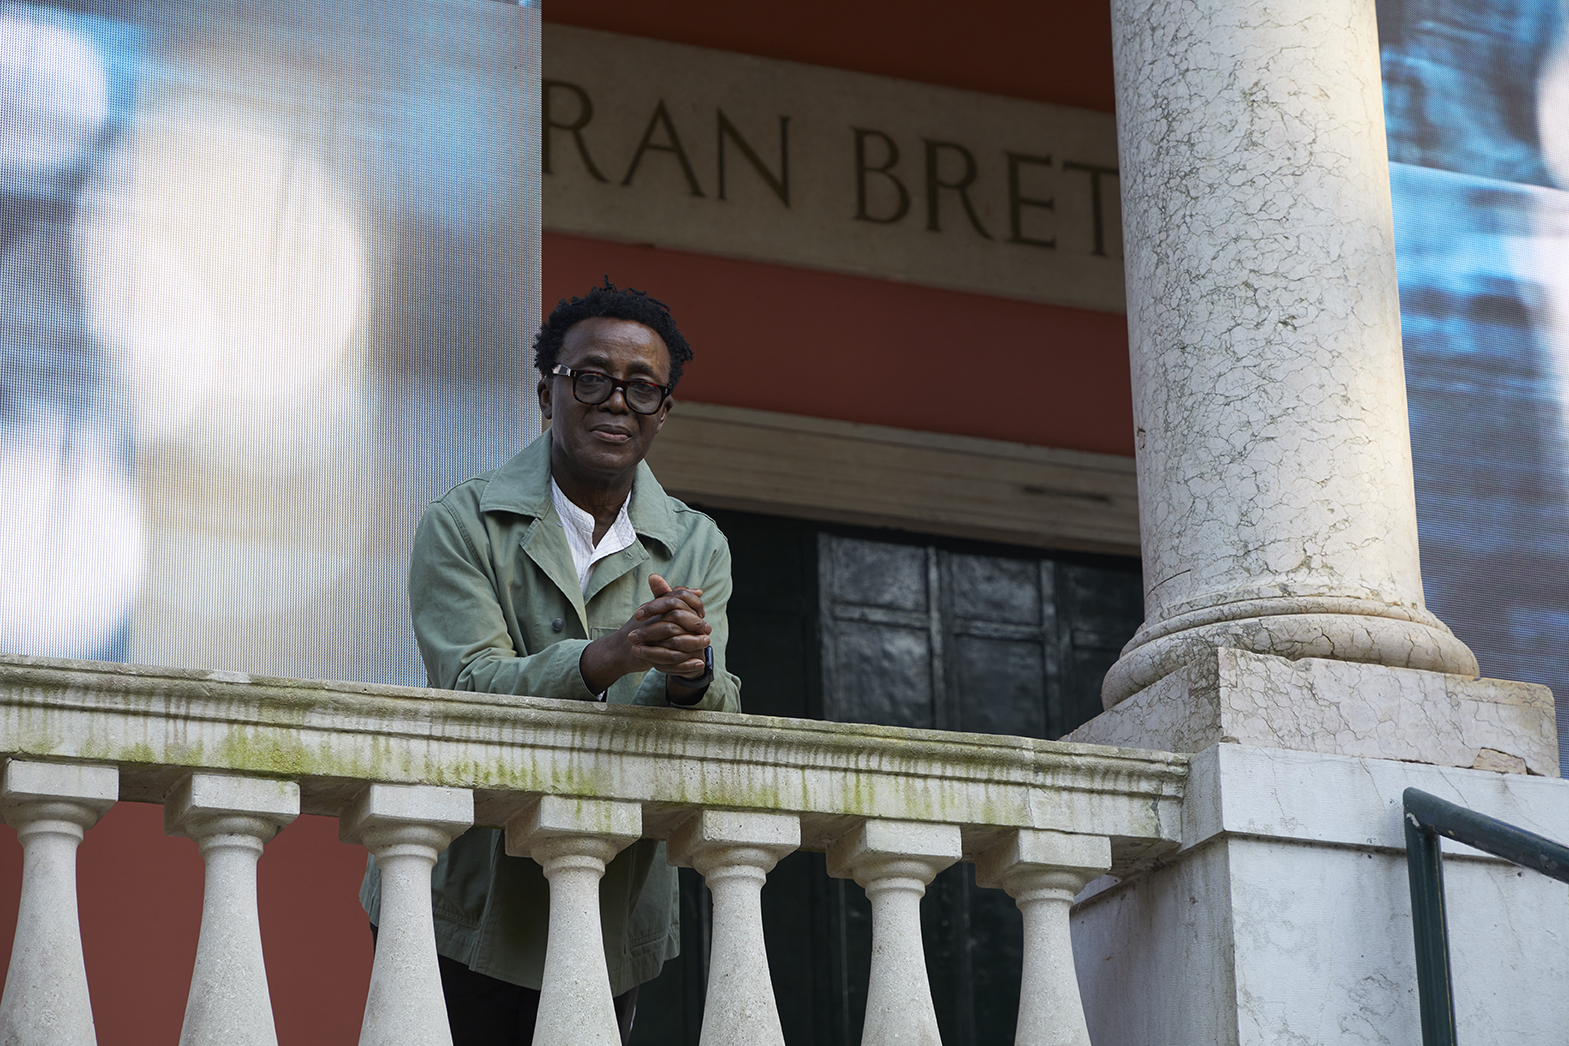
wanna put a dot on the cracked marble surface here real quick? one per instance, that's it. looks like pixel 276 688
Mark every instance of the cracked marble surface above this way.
pixel 1286 917
pixel 1337 707
pixel 1274 454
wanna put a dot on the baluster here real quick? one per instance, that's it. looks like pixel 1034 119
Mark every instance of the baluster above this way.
pixel 50 805
pixel 405 827
pixel 894 861
pixel 734 852
pixel 1042 871
pixel 573 839
pixel 230 818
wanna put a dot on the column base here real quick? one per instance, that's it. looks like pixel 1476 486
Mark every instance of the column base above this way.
pixel 1336 707
pixel 1286 915
pixel 1421 642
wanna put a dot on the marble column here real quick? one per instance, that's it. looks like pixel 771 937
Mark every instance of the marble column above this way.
pixel 1274 459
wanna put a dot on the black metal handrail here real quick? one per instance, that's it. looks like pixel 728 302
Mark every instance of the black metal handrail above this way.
pixel 1426 818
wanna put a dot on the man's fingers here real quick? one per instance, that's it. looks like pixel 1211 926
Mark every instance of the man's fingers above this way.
pixel 659 587
pixel 662 591
pixel 659 631
pixel 681 600
pixel 690 597
pixel 673 651
pixel 691 669
pixel 678 615
pixel 661 654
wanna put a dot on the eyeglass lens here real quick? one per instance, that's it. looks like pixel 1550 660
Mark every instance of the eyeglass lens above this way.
pixel 642 396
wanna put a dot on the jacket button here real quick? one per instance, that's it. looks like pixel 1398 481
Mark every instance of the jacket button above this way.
pixel 557 625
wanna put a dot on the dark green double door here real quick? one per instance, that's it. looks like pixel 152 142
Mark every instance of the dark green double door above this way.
pixel 878 627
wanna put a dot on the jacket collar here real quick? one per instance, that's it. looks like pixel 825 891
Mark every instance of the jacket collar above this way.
pixel 522 486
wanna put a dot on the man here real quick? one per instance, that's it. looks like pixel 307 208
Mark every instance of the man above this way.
pixel 569 573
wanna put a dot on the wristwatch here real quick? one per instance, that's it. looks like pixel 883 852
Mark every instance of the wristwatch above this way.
pixel 699 686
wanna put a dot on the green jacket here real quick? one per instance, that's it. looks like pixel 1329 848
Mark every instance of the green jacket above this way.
pixel 490 576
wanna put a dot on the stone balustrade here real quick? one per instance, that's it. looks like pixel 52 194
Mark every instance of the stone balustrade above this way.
pixel 233 759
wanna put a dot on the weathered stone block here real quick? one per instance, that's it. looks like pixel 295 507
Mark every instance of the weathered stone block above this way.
pixel 1340 708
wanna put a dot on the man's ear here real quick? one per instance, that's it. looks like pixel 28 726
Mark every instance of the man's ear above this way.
pixel 664 412
pixel 544 399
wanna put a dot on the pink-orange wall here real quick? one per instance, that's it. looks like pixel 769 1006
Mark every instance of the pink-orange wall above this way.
pixel 1055 51
pixel 768 337
pixel 777 338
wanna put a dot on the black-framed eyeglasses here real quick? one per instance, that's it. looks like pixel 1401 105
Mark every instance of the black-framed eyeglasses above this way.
pixel 592 387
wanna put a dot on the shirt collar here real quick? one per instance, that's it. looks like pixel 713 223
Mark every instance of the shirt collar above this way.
pixel 579 528
pixel 522 486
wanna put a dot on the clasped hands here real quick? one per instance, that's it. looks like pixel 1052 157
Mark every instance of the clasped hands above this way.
pixel 666 633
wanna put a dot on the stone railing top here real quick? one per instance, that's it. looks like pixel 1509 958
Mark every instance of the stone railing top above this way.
pixel 157 724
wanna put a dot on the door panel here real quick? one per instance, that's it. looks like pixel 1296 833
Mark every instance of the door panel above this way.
pixel 880 648
pixel 882 674
pixel 875 574
pixel 999 685
pixel 994 588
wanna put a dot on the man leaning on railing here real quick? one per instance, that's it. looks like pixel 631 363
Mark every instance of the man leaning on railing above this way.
pixel 535 579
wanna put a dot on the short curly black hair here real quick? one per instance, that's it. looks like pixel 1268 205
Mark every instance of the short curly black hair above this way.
pixel 614 303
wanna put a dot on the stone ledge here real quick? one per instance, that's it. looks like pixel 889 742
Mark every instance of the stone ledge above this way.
pixel 1337 708
pixel 157 724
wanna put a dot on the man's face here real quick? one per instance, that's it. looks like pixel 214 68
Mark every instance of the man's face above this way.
pixel 604 440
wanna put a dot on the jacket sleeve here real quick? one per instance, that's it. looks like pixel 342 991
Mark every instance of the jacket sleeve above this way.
pixel 459 626
pixel 724 693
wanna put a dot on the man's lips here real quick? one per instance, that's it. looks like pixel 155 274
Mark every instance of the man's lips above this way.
pixel 612 435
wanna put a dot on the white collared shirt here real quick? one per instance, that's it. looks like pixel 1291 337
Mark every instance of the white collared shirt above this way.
pixel 579 528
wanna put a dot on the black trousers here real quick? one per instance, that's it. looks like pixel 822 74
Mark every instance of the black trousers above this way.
pixel 484 1011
